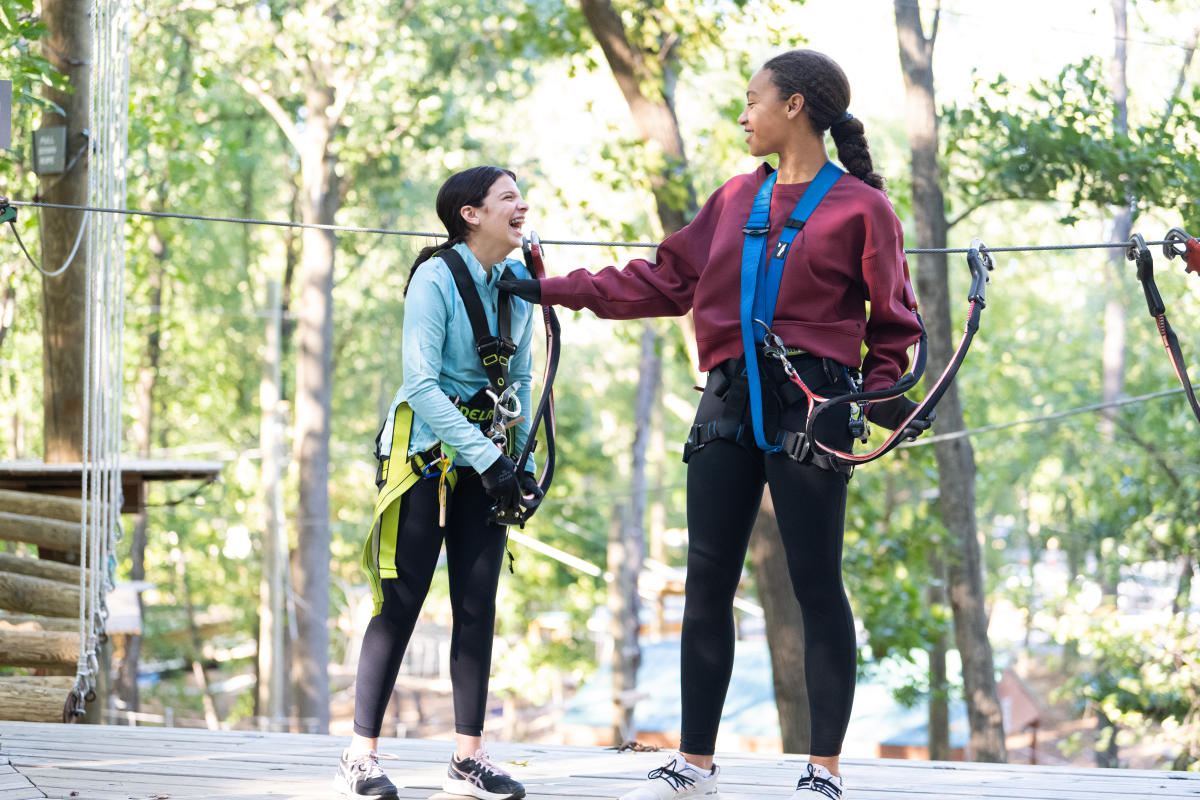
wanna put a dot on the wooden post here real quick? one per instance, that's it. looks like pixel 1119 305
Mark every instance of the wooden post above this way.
pixel 68 47
pixel 272 672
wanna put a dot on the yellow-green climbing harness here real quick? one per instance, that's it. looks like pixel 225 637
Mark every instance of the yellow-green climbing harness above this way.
pixel 379 553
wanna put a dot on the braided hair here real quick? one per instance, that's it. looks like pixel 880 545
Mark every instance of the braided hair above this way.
pixel 466 188
pixel 826 92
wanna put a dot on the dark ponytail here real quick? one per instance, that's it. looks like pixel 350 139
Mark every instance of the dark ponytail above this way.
pixel 826 92
pixel 466 188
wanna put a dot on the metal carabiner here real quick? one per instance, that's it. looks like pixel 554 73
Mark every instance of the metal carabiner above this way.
pixel 1140 254
pixel 1179 243
pixel 773 347
pixel 501 413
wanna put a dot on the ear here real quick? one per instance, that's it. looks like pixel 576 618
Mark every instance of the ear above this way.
pixel 470 214
pixel 793 105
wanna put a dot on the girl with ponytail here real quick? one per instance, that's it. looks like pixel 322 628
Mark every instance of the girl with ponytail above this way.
pixel 846 254
pixel 442 479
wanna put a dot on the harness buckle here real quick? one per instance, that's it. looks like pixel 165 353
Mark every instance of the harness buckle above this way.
pixel 755 231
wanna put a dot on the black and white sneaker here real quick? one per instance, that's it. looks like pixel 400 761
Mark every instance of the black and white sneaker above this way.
pixel 676 780
pixel 477 776
pixel 818 783
pixel 361 776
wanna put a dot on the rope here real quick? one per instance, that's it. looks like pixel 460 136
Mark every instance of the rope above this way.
pixel 1125 401
pixel 70 258
pixel 104 329
pixel 563 242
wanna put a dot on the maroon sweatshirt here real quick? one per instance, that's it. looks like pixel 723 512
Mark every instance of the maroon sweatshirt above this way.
pixel 850 252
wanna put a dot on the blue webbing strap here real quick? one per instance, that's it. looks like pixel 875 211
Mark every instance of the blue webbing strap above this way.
pixel 760 282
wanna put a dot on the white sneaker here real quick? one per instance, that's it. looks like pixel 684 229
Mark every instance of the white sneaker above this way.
pixel 675 780
pixel 818 782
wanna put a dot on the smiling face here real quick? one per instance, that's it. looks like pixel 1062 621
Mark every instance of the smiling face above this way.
pixel 769 119
pixel 496 225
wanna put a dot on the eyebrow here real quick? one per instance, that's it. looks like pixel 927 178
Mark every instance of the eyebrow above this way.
pixel 751 92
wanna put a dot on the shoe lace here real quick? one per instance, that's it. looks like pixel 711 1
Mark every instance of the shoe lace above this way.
pixel 675 779
pixel 818 784
pixel 485 764
pixel 367 764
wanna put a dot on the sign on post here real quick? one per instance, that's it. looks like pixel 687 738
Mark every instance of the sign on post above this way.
pixel 50 150
pixel 6 114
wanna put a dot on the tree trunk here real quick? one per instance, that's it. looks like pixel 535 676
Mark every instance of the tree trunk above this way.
pixel 955 458
pixel 939 685
pixel 785 631
pixel 651 100
pixel 314 378
pixel 272 669
pixel 68 47
pixel 624 563
pixel 197 646
pixel 1115 313
pixel 143 429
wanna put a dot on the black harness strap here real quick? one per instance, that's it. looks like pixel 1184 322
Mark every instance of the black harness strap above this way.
pixel 1139 253
pixel 733 389
pixel 494 351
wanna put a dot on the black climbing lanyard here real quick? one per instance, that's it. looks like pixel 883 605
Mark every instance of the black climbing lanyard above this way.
pixel 532 249
pixel 980 263
pixel 1139 253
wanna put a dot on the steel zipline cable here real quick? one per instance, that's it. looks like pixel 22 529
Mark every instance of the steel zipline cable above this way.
pixel 563 242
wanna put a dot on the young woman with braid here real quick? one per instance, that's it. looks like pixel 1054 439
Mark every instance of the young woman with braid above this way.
pixel 442 479
pixel 849 253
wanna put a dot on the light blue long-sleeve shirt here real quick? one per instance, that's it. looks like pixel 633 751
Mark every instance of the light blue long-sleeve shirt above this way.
pixel 440 359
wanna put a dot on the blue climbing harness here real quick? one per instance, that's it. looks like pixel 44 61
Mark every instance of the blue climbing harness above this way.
pixel 760 280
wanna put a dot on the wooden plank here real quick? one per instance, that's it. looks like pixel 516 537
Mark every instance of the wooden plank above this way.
pixel 34 504
pixel 52 533
pixel 28 700
pixel 39 568
pixel 103 762
pixel 20 648
pixel 26 594
pixel 33 622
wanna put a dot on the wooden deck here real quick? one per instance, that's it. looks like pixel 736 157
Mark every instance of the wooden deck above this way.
pixel 87 762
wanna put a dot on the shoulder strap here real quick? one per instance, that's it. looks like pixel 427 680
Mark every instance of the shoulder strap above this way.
pixel 494 351
pixel 760 281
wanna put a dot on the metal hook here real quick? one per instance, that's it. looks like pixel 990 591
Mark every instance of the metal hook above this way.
pixel 1139 253
pixel 1175 243
pixel 979 261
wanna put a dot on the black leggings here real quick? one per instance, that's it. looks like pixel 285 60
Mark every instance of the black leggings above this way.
pixel 725 484
pixel 474 554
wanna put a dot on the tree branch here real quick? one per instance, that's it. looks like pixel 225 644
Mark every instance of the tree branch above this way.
pixel 972 209
pixel 273 107
pixel 1188 53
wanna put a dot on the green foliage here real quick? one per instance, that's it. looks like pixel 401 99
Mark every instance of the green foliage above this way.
pixel 1058 140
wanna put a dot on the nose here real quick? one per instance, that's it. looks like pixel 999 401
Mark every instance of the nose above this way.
pixel 743 118
pixel 523 204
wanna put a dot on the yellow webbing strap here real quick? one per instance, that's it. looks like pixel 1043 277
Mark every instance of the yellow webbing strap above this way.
pixel 379 552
